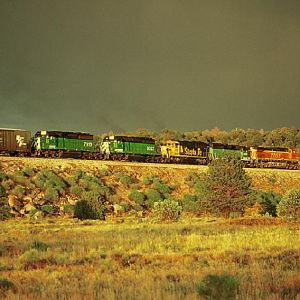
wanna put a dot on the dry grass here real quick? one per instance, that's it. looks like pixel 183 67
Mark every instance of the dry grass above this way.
pixel 69 259
pixel 132 258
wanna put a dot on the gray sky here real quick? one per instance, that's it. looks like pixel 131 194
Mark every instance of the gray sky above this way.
pixel 98 65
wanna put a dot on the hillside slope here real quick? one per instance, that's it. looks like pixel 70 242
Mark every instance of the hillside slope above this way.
pixel 37 186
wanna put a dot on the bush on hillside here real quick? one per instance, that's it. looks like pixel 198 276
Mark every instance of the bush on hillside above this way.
pixel 189 203
pixel 2 191
pixel 48 209
pixel 90 207
pixel 167 211
pixel 137 197
pixel 268 202
pixel 161 187
pixel 48 180
pixel 51 194
pixel 148 180
pixel 2 176
pixel 126 180
pixel 226 188
pixel 18 191
pixel 289 206
pixel 4 209
pixel 88 183
pixel 76 190
pixel 191 179
pixel 152 196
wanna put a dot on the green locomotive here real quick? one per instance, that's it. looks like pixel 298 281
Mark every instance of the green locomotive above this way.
pixel 65 144
pixel 129 148
pixel 217 150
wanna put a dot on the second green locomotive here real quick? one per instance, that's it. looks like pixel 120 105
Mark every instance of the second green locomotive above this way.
pixel 129 148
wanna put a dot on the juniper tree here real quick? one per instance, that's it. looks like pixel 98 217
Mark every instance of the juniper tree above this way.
pixel 226 188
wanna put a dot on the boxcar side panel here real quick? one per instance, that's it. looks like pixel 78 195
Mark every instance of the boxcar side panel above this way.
pixel 14 141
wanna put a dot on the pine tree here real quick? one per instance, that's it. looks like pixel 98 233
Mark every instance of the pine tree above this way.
pixel 227 188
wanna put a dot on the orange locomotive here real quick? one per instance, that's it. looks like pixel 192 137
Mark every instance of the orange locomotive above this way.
pixel 274 157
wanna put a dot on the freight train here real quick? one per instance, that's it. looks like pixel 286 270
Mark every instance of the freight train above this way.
pixel 18 142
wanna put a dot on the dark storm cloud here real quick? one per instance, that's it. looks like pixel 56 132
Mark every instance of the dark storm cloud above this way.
pixel 121 65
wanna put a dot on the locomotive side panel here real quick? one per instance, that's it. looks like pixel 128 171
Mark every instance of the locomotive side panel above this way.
pixel 190 152
pixel 274 157
pixel 286 154
pixel 219 150
pixel 129 148
pixel 196 149
pixel 140 148
pixel 62 143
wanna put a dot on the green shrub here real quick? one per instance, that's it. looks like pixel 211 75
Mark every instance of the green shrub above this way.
pixel 126 180
pixel 7 184
pixel 28 172
pixel 161 187
pixel 289 206
pixel 137 207
pixel 48 209
pixel 137 197
pixel 104 172
pixel 200 189
pixel 51 194
pixel 191 179
pixel 91 183
pixel 76 190
pixel 78 174
pixel 87 210
pixel 214 286
pixel 69 209
pixel 100 189
pixel 19 177
pixel 190 203
pixel 2 191
pixel 56 182
pixel 152 196
pixel 4 209
pixel 6 285
pixel 148 180
pixel 167 211
pixel 38 245
pixel 50 183
pixel 125 206
pixel 18 191
pixel 268 202
pixel 30 256
pixel 2 176
pixel 90 207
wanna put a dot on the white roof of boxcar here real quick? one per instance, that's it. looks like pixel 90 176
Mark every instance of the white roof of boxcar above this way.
pixel 13 129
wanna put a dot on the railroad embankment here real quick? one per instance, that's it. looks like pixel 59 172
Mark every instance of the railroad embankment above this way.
pixel 37 186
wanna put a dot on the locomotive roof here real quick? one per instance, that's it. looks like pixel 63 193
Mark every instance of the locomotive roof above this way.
pixel 66 134
pixel 193 143
pixel 284 149
pixel 124 138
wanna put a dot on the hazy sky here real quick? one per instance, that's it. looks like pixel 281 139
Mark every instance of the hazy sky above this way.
pixel 98 65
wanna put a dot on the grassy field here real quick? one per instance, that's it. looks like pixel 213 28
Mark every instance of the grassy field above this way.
pixel 131 258
pixel 46 254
